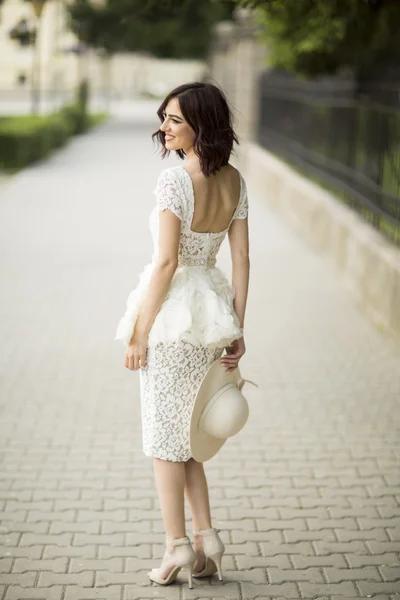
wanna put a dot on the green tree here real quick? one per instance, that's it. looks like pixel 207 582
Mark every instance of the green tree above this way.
pixel 310 37
pixel 165 28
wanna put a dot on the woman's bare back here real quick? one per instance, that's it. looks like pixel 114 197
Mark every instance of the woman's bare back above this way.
pixel 215 199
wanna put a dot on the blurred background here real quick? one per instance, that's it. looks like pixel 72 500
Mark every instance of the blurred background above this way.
pixel 307 496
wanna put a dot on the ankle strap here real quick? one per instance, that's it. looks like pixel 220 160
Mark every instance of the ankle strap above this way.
pixel 179 541
pixel 205 531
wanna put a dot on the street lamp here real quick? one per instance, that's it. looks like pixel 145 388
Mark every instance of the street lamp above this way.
pixel 38 6
pixel 82 30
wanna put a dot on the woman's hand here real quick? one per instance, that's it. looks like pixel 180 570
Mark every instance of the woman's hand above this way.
pixel 234 353
pixel 136 352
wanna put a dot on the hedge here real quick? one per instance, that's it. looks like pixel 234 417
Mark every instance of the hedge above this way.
pixel 24 139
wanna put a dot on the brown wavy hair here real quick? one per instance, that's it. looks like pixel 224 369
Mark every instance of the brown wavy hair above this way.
pixel 206 109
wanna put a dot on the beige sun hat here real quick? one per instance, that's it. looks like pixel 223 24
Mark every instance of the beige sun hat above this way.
pixel 219 411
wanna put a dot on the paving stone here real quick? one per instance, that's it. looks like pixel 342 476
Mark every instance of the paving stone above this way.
pixel 30 552
pixel 268 524
pixel 307 496
pixel 48 578
pixel 249 562
pixel 24 579
pixel 130 526
pixel 76 565
pixel 334 575
pixel 331 560
pixel 375 597
pixel 137 577
pixel 357 547
pixel 286 590
pixel 15 592
pixel 75 592
pixel 5 565
pixel 141 551
pixel 256 536
pixel 369 588
pixel 393 532
pixel 391 574
pixel 245 549
pixel 390 559
pixel 310 590
pixel 273 549
pixel 370 534
pixel 52 551
pixel 58 565
pixel 134 592
pixel 16 527
pixel 328 535
pixel 75 527
pixel 281 575
pixel 382 547
pixel 29 539
pixel 115 539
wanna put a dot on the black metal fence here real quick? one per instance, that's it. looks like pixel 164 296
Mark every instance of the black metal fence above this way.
pixel 346 138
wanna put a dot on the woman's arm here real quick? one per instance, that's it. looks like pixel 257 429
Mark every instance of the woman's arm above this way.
pixel 239 243
pixel 238 235
pixel 240 283
pixel 169 234
pixel 170 214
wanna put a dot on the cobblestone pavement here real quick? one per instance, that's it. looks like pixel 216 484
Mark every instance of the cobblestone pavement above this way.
pixel 307 496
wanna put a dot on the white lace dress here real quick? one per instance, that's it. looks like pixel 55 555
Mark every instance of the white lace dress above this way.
pixel 194 324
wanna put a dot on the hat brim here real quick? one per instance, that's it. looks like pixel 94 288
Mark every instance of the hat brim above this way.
pixel 204 446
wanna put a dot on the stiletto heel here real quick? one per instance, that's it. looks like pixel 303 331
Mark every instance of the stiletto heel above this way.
pixel 181 557
pixel 213 549
pixel 190 575
pixel 216 558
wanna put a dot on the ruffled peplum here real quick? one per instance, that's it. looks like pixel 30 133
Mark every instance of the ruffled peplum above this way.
pixel 198 309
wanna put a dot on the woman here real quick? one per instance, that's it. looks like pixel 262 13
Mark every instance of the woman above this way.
pixel 184 312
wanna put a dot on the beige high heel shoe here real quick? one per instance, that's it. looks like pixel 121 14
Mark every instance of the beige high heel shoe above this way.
pixel 213 548
pixel 181 556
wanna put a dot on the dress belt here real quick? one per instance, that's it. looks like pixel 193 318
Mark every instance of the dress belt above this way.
pixel 197 262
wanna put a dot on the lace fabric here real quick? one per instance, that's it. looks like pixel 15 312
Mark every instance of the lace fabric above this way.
pixel 193 326
pixel 168 387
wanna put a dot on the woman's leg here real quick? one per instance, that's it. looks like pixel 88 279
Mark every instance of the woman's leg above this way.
pixel 196 490
pixel 197 493
pixel 170 482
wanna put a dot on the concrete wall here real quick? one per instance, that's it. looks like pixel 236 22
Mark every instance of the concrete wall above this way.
pixel 369 263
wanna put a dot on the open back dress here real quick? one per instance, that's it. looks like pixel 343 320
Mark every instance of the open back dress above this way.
pixel 195 323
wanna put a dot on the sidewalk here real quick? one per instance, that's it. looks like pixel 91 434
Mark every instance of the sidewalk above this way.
pixel 307 496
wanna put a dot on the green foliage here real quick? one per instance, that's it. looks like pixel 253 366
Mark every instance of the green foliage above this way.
pixel 77 121
pixel 167 28
pixel 310 37
pixel 21 139
pixel 24 139
pixel 82 96
pixel 76 115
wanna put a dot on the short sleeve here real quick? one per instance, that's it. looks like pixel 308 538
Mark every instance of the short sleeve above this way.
pixel 167 193
pixel 243 207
